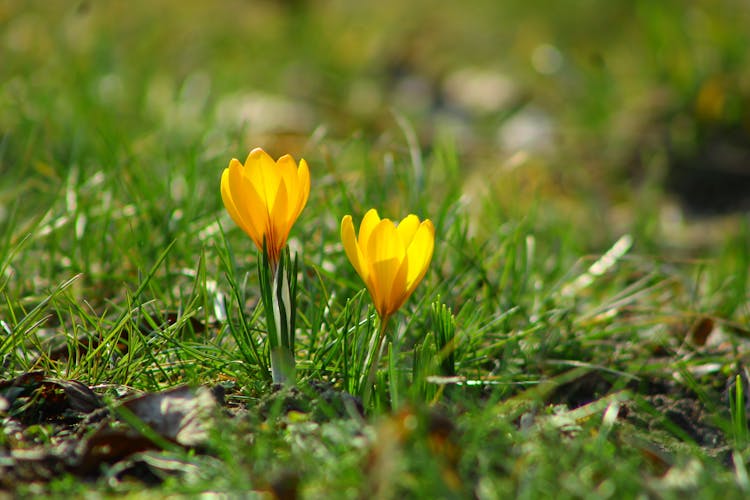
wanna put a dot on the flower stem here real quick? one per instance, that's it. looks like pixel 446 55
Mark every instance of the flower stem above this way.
pixel 278 285
pixel 283 371
pixel 374 357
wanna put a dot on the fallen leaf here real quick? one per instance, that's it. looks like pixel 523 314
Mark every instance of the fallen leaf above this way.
pixel 179 415
pixel 33 398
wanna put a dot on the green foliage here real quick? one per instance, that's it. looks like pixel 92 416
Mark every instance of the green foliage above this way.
pixel 444 324
pixel 738 413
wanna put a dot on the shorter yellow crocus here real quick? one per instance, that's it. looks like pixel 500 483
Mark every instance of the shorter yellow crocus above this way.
pixel 265 197
pixel 390 258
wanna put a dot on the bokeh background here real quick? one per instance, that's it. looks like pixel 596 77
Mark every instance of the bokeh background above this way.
pixel 616 116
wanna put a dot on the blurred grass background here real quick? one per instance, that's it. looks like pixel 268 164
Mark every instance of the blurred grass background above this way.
pixel 587 105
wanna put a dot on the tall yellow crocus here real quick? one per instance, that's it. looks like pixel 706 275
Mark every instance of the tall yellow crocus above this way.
pixel 264 197
pixel 390 258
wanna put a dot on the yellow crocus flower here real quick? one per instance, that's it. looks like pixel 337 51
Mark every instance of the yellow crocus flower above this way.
pixel 390 258
pixel 264 197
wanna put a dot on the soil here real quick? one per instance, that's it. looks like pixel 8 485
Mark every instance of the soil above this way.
pixel 51 427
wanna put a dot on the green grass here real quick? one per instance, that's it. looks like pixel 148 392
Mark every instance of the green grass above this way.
pixel 549 349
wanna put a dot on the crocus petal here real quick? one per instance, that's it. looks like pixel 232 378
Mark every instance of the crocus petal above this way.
pixel 253 207
pixel 419 254
pixel 245 201
pixel 226 197
pixel 287 170
pixel 385 253
pixel 407 227
pixel 399 292
pixel 261 170
pixel 278 228
pixel 369 221
pixel 352 249
pixel 303 175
